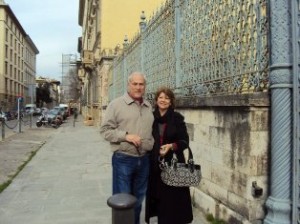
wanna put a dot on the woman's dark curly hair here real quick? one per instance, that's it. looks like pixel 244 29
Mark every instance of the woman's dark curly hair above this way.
pixel 168 92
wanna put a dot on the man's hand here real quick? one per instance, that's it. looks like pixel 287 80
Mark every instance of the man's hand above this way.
pixel 135 139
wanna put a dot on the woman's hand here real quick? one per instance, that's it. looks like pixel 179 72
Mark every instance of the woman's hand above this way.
pixel 164 149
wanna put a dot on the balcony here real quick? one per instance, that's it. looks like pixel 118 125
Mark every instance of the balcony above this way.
pixel 88 59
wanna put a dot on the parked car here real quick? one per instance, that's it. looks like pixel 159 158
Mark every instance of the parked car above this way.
pixel 48 120
pixel 3 116
pixel 62 112
pixel 66 107
pixel 44 110
pixel 30 109
pixel 54 114
pixel 38 111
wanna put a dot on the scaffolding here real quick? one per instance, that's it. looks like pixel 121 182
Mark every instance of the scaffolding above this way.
pixel 68 62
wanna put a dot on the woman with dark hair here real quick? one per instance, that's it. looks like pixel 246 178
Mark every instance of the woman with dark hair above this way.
pixel 171 205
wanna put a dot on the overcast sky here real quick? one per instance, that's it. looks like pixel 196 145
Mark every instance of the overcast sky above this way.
pixel 53 27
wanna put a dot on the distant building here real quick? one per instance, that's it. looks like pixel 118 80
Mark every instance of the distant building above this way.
pixel 17 61
pixel 53 92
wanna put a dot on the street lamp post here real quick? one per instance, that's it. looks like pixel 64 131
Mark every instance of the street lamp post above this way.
pixel 30 91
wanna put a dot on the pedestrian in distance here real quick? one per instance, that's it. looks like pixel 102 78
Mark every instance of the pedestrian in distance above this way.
pixel 170 204
pixel 127 125
pixel 75 113
pixel 75 116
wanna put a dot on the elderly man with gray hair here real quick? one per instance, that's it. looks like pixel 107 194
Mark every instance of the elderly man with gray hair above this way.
pixel 128 127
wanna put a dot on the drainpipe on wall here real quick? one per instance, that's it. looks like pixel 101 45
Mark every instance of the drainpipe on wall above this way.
pixel 279 202
pixel 296 115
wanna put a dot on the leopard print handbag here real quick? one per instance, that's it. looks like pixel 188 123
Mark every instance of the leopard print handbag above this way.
pixel 180 174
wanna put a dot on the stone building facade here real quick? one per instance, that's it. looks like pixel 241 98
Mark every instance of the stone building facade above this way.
pixel 17 61
pixel 104 26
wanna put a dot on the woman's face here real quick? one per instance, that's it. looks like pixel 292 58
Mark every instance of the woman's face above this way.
pixel 163 101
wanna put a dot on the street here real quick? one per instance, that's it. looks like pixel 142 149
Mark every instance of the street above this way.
pixel 67 181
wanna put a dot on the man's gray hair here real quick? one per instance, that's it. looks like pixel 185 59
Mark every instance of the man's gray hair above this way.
pixel 136 73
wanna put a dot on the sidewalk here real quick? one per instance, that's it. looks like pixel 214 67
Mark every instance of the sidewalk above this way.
pixel 68 181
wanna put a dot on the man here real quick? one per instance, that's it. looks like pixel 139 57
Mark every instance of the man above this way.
pixel 128 127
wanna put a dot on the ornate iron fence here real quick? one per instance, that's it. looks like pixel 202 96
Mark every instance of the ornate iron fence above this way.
pixel 200 48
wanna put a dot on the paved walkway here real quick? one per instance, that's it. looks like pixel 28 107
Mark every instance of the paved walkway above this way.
pixel 68 181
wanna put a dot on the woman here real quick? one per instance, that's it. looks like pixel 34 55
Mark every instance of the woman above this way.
pixel 169 204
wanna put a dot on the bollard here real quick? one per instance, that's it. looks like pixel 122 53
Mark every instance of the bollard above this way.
pixel 30 119
pixel 3 128
pixel 122 208
pixel 74 120
pixel 20 124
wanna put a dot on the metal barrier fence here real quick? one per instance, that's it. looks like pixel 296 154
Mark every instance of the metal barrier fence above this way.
pixel 199 48
pixel 25 120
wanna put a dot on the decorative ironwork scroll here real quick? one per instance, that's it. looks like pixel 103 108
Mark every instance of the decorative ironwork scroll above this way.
pixel 223 48
pixel 133 56
pixel 118 78
pixel 159 49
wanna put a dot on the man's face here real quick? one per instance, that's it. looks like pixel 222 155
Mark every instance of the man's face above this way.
pixel 136 87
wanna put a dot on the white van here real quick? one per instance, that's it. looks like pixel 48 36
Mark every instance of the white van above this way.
pixel 30 108
pixel 66 108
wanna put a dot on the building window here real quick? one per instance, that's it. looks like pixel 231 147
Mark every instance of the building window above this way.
pixel 15 87
pixel 10 86
pixel 6 51
pixel 6 35
pixel 6 68
pixel 8 21
pixel 6 85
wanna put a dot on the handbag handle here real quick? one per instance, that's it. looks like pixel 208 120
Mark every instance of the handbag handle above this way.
pixel 190 158
pixel 174 160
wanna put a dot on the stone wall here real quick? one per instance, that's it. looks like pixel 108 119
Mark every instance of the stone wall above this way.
pixel 232 145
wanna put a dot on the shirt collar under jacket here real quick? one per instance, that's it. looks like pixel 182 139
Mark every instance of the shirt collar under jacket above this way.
pixel 129 100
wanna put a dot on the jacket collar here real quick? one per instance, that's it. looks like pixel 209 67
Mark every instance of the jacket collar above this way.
pixel 129 100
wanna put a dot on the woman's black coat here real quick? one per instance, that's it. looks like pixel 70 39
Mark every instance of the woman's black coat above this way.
pixel 174 202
